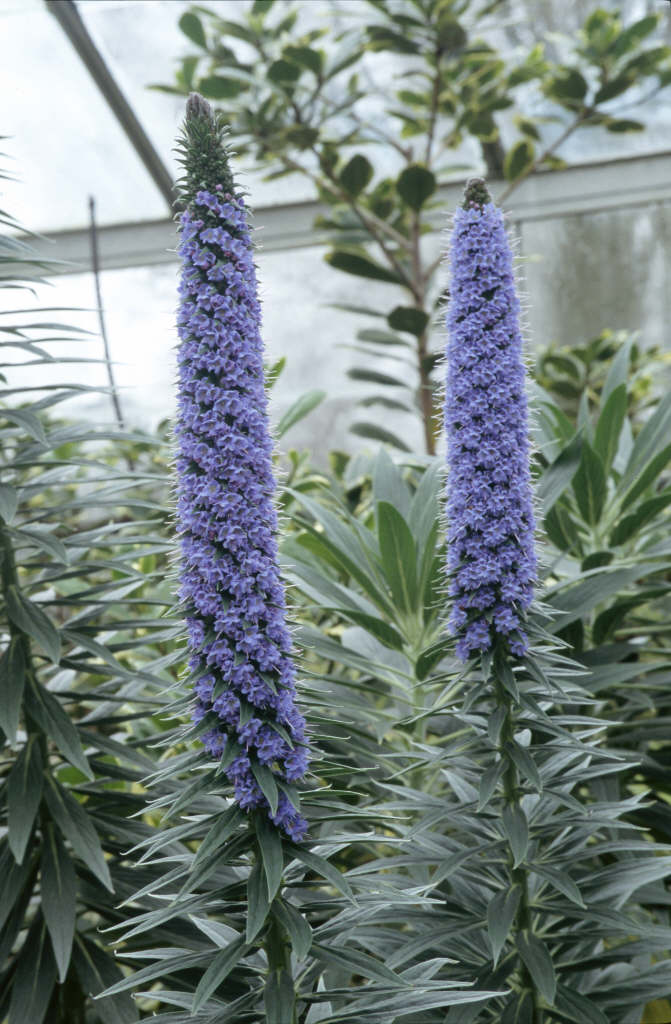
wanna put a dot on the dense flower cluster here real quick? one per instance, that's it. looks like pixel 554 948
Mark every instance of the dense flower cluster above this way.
pixel 491 557
pixel 230 583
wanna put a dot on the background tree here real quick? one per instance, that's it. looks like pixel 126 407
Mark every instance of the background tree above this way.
pixel 372 111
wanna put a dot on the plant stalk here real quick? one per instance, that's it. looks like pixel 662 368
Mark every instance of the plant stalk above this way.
pixel 280 989
pixel 518 875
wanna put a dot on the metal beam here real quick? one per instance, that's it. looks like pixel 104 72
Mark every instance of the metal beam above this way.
pixel 584 190
pixel 69 18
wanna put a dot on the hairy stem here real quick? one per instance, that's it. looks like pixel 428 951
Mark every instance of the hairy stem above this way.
pixel 518 875
pixel 278 953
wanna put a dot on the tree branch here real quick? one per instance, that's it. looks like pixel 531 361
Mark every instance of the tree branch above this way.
pixel 510 188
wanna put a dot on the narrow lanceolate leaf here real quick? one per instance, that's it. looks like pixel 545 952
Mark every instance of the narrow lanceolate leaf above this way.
pixel 561 881
pixel 362 963
pixel 360 264
pixel 619 881
pixel 374 336
pixel 508 680
pixel 380 629
pixel 217 972
pixel 222 827
pixel 576 599
pixel 375 377
pixel 538 962
pixel 77 827
pixel 429 658
pixel 500 916
pixel 299 410
pixel 653 439
pixel 179 961
pixel 517 830
pixel 389 485
pixel 8 502
pixel 272 855
pixel 257 902
pixel 337 537
pixel 377 433
pixel 24 792
pixel 385 402
pixel 28 421
pixel 607 434
pixel 324 869
pixel 589 484
pixel 45 542
pixel 97 971
pixel 266 781
pixel 399 556
pixel 50 716
pixel 34 977
pixel 31 619
pixel 525 765
pixel 643 476
pixel 16 887
pixel 296 927
pixel 645 513
pixel 12 680
pixel 618 372
pixel 59 897
pixel 557 477
pixel 579 1008
pixel 488 783
pixel 218 933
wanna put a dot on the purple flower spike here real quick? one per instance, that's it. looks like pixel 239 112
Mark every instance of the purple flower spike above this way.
pixel 240 646
pixel 491 560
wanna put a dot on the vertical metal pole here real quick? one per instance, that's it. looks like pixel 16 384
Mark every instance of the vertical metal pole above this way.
pixel 95 264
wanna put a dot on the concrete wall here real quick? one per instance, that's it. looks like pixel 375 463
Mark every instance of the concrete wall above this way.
pixel 591 271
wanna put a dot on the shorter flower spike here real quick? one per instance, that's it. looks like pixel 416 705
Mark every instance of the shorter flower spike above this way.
pixel 491 555
pixel 240 646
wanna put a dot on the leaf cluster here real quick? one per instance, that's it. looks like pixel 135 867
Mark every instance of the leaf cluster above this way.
pixel 521 814
pixel 86 647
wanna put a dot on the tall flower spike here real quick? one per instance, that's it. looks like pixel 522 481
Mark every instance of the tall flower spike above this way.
pixel 240 647
pixel 491 560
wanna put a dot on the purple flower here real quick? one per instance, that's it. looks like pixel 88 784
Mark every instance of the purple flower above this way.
pixel 491 559
pixel 240 646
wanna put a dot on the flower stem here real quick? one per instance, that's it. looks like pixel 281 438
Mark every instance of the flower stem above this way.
pixel 280 993
pixel 511 795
